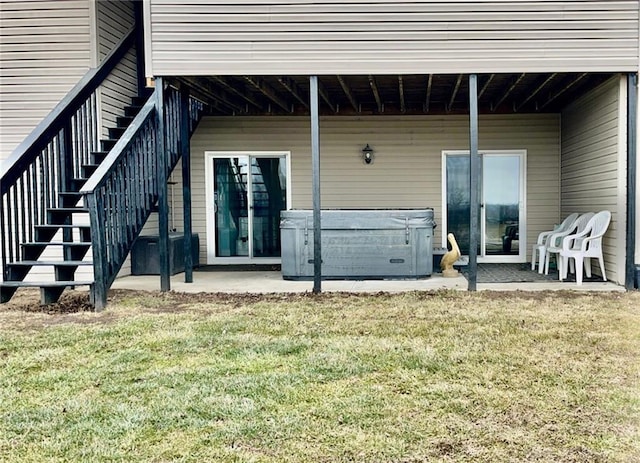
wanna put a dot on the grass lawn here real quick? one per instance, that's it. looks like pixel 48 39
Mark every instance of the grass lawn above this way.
pixel 442 376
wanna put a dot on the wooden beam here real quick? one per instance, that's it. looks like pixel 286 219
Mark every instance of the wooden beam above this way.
pixel 403 108
pixel 292 87
pixel 508 92
pixel 564 89
pixel 211 95
pixel 484 87
pixel 454 93
pixel 230 88
pixel 428 97
pixel 347 91
pixel 376 93
pixel 535 92
pixel 269 92
pixel 324 94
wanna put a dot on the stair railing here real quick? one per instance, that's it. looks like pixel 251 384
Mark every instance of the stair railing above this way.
pixel 47 161
pixel 122 193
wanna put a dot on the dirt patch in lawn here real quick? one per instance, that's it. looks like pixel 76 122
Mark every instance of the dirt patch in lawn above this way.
pixel 72 302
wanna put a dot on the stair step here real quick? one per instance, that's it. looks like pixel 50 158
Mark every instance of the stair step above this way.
pixel 61 215
pixel 46 232
pixel 138 100
pixel 70 250
pixel 49 263
pixel 76 184
pixel 86 170
pixel 55 243
pixel 116 132
pixel 132 111
pixel 69 198
pixel 124 121
pixel 64 270
pixel 98 156
pixel 50 291
pixel 107 143
pixel 41 284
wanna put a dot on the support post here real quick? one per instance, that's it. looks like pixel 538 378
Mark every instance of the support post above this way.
pixel 99 288
pixel 632 169
pixel 163 200
pixel 139 25
pixel 185 151
pixel 315 184
pixel 474 202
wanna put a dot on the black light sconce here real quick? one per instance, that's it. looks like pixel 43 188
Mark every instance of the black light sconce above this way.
pixel 367 154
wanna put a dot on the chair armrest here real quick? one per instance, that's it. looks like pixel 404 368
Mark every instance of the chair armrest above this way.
pixel 585 242
pixel 542 237
pixel 571 238
pixel 557 237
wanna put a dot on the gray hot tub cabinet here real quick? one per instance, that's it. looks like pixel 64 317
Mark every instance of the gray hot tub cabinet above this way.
pixel 358 244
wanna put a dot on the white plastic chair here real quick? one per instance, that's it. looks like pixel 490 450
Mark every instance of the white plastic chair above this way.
pixel 585 246
pixel 554 241
pixel 541 246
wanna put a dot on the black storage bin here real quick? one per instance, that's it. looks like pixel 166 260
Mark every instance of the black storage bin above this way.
pixel 145 254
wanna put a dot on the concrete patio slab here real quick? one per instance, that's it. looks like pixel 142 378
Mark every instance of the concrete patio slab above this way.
pixel 272 282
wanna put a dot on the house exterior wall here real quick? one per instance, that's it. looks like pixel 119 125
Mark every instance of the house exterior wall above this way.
pixel 114 19
pixel 211 37
pixel 406 171
pixel 593 165
pixel 45 48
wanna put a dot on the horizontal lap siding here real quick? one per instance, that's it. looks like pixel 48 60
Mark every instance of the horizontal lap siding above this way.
pixel 590 170
pixel 45 48
pixel 358 37
pixel 406 171
pixel 115 19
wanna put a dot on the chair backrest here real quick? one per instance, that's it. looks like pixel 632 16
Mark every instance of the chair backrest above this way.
pixel 598 225
pixel 581 223
pixel 577 225
pixel 566 223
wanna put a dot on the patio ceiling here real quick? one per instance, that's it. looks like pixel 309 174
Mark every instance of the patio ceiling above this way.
pixel 434 94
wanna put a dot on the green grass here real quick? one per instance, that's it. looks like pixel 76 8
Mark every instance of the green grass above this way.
pixel 453 377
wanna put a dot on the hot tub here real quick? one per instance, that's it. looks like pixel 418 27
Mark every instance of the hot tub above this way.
pixel 359 244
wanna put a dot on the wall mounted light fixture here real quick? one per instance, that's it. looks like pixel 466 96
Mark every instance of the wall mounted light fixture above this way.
pixel 367 154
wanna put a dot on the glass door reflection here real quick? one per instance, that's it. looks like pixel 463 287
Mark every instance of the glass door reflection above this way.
pixel 249 194
pixel 501 204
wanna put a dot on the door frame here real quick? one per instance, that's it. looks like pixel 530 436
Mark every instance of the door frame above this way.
pixel 522 255
pixel 209 156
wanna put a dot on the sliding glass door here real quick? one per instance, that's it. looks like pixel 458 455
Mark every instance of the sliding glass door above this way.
pixel 246 193
pixel 502 204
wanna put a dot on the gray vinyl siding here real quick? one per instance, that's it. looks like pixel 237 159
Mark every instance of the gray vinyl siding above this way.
pixel 114 19
pixel 45 47
pixel 590 166
pixel 360 37
pixel 406 172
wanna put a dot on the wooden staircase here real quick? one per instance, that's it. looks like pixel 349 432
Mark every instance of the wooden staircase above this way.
pixel 64 236
pixel 64 191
